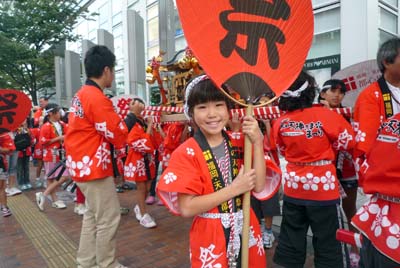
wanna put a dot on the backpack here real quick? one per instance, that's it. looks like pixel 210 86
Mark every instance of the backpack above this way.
pixel 22 141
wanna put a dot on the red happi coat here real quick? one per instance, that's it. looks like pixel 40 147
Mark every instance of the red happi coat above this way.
pixel 37 115
pixel 378 219
pixel 140 146
pixel 47 133
pixel 187 173
pixel 173 135
pixel 6 142
pixel 93 125
pixel 369 113
pixel 37 149
pixel 311 135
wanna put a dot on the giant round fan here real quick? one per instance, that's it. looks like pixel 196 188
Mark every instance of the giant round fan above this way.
pixel 251 47
pixel 15 107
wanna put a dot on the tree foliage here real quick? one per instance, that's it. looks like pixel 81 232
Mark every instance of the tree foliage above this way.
pixel 30 32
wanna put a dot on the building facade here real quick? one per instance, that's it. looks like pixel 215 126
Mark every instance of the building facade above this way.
pixel 346 32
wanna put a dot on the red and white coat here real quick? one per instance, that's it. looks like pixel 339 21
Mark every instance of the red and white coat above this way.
pixel 306 136
pixel 140 146
pixel 47 133
pixel 92 126
pixel 378 219
pixel 187 173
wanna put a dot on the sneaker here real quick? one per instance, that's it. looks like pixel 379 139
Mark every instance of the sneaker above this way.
pixel 28 186
pixel 268 238
pixel 38 183
pixel 6 211
pixel 58 204
pixel 150 200
pixel 80 209
pixel 119 189
pixel 147 221
pixel 124 211
pixel 23 187
pixel 354 260
pixel 160 203
pixel 138 215
pixel 40 199
pixel 13 191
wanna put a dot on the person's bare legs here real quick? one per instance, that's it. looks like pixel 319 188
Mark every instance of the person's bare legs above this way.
pixel 141 196
pixel 3 196
pixel 52 186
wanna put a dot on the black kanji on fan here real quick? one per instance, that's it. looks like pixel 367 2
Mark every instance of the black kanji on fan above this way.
pixel 254 31
pixel 7 105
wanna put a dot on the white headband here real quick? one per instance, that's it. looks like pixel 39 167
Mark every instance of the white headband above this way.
pixel 46 112
pixel 189 88
pixel 296 93
pixel 326 87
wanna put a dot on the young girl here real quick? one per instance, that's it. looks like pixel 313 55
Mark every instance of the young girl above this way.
pixel 6 147
pixel 139 165
pixel 205 179
pixel 52 137
pixel 308 137
pixel 331 96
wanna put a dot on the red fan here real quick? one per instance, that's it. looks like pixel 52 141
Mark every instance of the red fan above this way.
pixel 15 107
pixel 250 49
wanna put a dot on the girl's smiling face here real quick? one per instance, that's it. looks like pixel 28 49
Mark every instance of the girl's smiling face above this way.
pixel 211 117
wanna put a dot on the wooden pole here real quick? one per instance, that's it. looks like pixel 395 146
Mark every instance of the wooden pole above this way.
pixel 246 197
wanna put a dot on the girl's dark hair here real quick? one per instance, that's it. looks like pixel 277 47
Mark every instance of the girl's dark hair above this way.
pixel 306 98
pixel 203 92
pixel 332 83
pixel 51 108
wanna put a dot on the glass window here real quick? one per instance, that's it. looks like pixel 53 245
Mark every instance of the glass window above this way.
pixel 153 52
pixel 103 14
pixel 384 36
pixel 325 44
pixel 319 3
pixel 327 21
pixel 117 18
pixel 152 32
pixel 131 2
pixel 180 43
pixel 119 81
pixel 116 6
pixel 393 3
pixel 178 25
pixel 388 21
pixel 152 12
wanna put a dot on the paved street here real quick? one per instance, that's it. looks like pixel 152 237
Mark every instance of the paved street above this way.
pixel 35 239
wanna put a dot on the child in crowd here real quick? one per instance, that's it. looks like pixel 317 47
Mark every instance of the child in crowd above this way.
pixel 267 209
pixel 205 179
pixel 38 154
pixel 6 146
pixel 24 154
pixel 52 137
pixel 331 96
pixel 308 137
pixel 139 164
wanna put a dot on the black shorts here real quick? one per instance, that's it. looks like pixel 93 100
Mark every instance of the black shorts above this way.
pixel 266 208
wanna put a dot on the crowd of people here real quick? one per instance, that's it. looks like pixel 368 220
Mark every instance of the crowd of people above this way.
pixel 329 158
